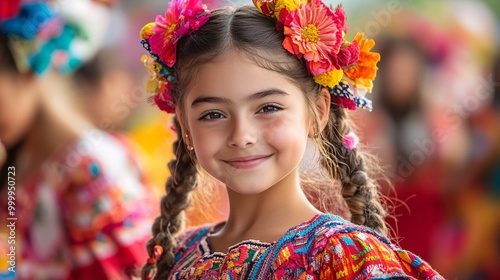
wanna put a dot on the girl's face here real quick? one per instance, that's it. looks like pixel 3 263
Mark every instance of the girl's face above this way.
pixel 248 125
pixel 18 104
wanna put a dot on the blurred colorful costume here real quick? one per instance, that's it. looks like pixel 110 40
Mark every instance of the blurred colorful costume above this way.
pixel 86 212
pixel 83 215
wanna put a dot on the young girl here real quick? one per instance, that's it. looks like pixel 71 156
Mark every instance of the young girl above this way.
pixel 249 86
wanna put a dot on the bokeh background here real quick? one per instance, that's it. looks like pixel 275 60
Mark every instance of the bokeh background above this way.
pixel 435 124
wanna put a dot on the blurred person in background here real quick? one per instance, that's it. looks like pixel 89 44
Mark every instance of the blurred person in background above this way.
pixel 81 200
pixel 433 79
pixel 103 87
pixel 401 77
pixel 106 95
pixel 402 133
pixel 462 113
pixel 471 235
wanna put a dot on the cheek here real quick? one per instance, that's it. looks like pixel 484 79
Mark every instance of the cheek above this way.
pixel 18 107
pixel 289 133
pixel 206 143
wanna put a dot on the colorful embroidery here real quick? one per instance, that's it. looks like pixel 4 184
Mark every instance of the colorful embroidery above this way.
pixel 326 247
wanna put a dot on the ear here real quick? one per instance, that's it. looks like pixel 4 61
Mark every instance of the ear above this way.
pixel 323 106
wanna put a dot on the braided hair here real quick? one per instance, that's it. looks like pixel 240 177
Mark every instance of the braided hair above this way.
pixel 352 168
pixel 179 187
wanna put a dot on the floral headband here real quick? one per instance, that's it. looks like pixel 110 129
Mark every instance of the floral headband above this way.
pixel 312 30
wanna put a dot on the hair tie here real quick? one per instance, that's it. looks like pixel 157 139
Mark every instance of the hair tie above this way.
pixel 351 141
pixel 157 251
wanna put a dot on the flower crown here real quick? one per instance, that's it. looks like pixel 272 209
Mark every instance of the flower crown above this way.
pixel 312 30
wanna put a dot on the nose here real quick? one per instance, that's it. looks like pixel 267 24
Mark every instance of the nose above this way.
pixel 243 133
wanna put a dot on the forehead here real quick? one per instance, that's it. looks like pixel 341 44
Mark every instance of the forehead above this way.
pixel 235 76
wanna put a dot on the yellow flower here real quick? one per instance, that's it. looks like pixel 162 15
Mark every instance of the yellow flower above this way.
pixel 147 31
pixel 329 78
pixel 289 5
pixel 152 86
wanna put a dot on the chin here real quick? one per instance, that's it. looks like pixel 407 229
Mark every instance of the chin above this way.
pixel 247 190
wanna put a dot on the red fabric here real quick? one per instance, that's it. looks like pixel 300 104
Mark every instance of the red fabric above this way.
pixel 417 227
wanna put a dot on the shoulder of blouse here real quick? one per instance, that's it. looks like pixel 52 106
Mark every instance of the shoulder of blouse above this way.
pixel 189 238
pixel 356 251
pixel 342 250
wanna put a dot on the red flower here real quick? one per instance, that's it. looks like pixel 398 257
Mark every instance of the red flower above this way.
pixel 345 102
pixel 164 100
pixel 348 56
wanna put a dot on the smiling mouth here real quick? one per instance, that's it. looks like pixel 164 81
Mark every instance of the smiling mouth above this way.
pixel 247 162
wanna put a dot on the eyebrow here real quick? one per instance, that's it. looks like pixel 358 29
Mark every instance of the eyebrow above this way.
pixel 255 96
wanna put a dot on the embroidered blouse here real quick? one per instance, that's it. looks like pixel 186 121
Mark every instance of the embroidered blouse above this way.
pixel 325 247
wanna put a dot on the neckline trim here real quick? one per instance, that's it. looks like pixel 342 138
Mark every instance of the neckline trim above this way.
pixel 208 251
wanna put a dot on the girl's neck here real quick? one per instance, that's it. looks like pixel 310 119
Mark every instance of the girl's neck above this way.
pixel 265 216
pixel 51 131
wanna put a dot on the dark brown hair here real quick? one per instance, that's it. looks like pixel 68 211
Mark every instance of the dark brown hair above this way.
pixel 7 63
pixel 246 30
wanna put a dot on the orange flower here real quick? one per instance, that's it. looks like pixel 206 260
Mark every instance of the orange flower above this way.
pixel 365 70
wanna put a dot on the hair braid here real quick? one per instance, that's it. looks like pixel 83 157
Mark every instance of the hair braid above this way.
pixel 179 185
pixel 351 167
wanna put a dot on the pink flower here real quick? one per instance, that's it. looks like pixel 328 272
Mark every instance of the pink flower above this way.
pixel 315 32
pixel 181 19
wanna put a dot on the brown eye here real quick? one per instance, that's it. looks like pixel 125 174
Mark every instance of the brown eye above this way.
pixel 212 116
pixel 269 109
